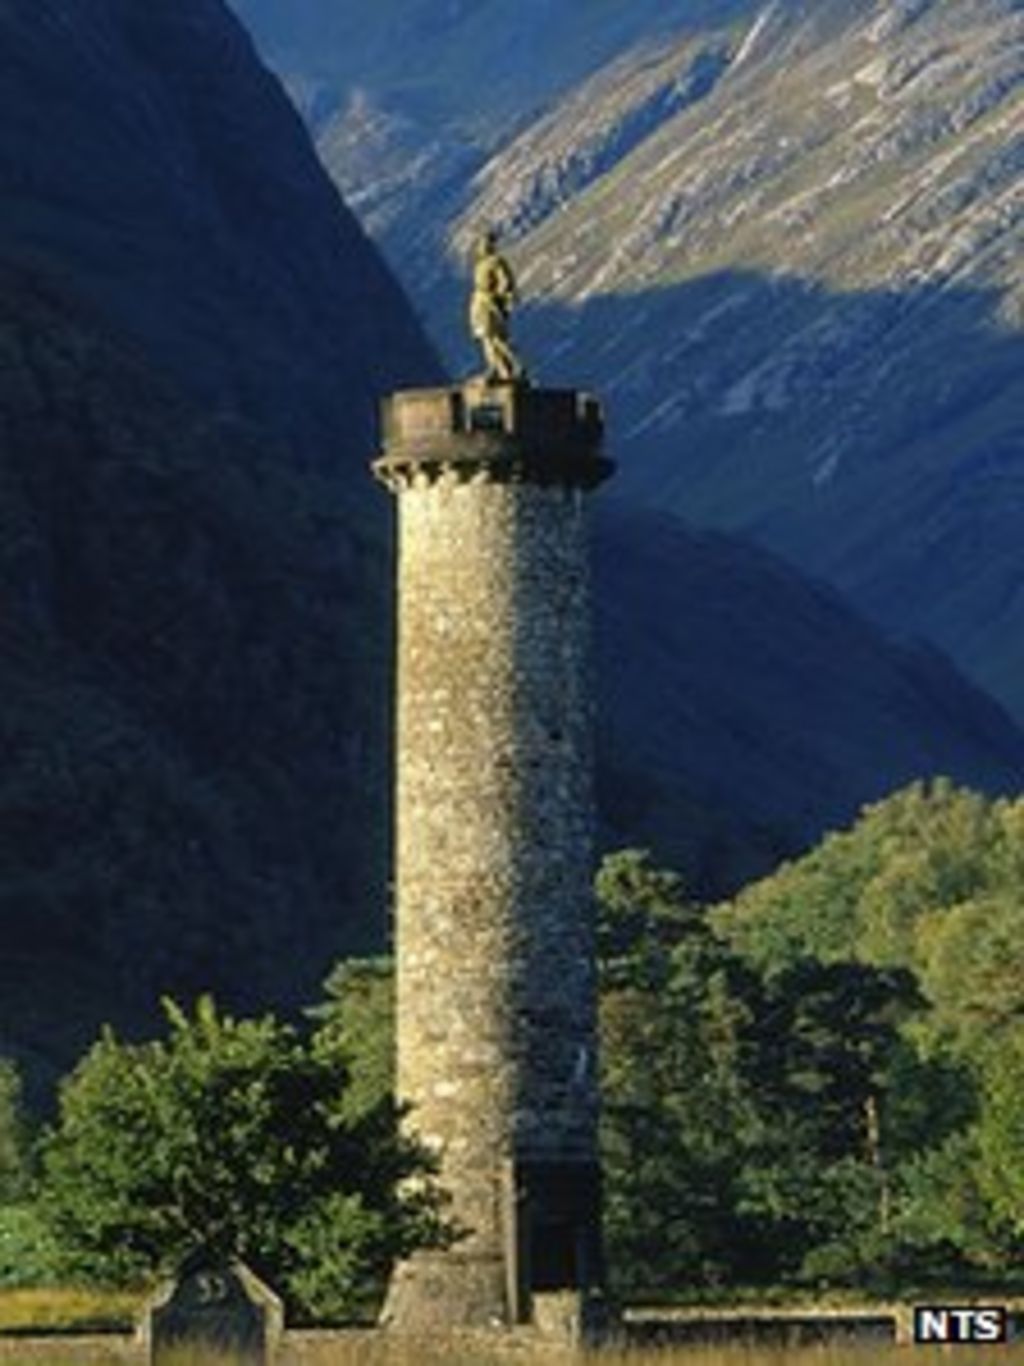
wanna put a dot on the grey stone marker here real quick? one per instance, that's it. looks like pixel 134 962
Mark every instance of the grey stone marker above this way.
pixel 216 1307
pixel 497 1031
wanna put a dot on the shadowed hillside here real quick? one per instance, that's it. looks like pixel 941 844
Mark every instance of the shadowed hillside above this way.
pixel 150 161
pixel 747 710
pixel 193 336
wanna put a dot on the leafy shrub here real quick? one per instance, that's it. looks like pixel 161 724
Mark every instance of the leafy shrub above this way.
pixel 234 1138
pixel 28 1254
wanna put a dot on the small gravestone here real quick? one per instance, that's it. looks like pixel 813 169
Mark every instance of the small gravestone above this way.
pixel 220 1308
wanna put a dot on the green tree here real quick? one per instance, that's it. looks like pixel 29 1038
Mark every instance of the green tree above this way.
pixel 678 1122
pixel 758 1112
pixel 356 1025
pixel 14 1161
pixel 832 1056
pixel 929 882
pixel 1000 1130
pixel 946 1220
pixel 235 1137
pixel 677 1059
pixel 26 1254
pixel 865 894
pixel 643 912
pixel 971 964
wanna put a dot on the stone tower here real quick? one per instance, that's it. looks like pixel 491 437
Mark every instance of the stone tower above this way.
pixel 494 859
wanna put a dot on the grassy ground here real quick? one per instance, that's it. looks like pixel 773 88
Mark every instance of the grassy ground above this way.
pixel 72 1310
pixel 865 1356
pixel 868 1355
pixel 363 1353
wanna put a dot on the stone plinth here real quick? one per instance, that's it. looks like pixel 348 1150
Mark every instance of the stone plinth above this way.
pixel 494 863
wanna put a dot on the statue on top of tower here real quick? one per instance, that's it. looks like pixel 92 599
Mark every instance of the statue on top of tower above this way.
pixel 490 306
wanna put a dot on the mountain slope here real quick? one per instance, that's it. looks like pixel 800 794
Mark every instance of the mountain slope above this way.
pixel 409 100
pixel 783 239
pixel 194 334
pixel 804 301
pixel 193 761
pixel 746 711
pixel 478 65
pixel 149 159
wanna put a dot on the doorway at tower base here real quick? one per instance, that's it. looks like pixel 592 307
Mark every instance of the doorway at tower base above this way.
pixel 546 1279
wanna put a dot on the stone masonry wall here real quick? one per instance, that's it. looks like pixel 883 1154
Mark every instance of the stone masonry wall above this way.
pixel 495 954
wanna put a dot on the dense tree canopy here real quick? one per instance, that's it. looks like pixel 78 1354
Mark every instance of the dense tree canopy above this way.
pixel 237 1138
pixel 929 883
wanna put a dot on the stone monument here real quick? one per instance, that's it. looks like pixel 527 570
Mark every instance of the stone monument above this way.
pixel 222 1308
pixel 495 292
pixel 497 1036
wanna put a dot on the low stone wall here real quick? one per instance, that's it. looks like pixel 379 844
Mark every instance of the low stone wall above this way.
pixel 771 1328
pixel 763 1328
pixel 776 1327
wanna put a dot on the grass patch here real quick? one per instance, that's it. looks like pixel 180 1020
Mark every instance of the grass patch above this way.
pixel 71 1310
pixel 868 1354
pixel 362 1352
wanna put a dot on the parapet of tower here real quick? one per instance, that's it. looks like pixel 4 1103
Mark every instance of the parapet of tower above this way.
pixel 497 1033
pixel 504 432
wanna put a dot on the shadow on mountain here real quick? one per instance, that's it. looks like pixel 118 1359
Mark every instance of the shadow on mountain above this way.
pixel 875 439
pixel 745 710
pixel 194 735
pixel 194 335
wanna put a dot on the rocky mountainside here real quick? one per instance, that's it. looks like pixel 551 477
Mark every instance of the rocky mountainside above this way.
pixel 149 159
pixel 409 100
pixel 193 336
pixel 805 300
pixel 782 238
pixel 194 651
pixel 481 66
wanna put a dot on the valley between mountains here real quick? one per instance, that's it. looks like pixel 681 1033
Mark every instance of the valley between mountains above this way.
pixel 780 240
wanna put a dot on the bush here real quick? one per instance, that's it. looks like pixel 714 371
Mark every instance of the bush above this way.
pixel 233 1138
pixel 28 1256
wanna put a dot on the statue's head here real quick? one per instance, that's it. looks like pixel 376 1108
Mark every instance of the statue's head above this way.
pixel 487 242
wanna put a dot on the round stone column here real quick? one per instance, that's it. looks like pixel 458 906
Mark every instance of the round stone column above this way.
pixel 496 980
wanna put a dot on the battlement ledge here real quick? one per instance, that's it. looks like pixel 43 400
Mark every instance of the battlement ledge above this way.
pixel 504 432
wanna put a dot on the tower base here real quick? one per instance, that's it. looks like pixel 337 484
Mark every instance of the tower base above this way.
pixel 441 1296
pixel 542 1279
pixel 436 1293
